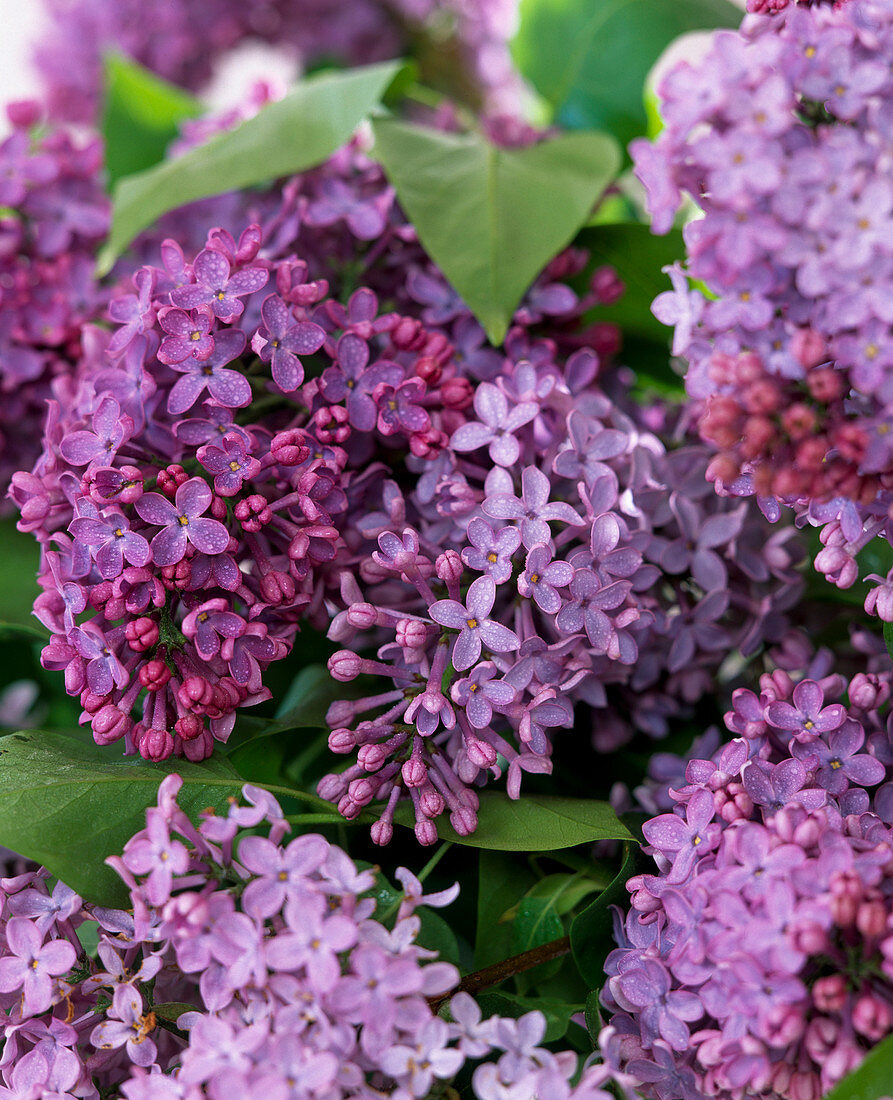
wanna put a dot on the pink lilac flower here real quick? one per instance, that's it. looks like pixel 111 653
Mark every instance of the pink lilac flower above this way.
pixel 328 990
pixel 755 954
pixel 786 345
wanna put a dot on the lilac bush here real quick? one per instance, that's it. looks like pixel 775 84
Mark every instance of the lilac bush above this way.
pixel 758 955
pixel 779 134
pixel 246 962
pixel 54 217
pixel 308 31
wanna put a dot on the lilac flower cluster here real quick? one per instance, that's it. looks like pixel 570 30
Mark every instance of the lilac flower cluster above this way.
pixel 555 552
pixel 780 134
pixel 165 40
pixel 246 966
pixel 184 537
pixel 759 957
pixel 54 215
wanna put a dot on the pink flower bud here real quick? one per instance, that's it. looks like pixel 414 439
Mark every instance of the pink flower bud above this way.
pixel 480 753
pixel 156 745
pixel 829 994
pixel 289 448
pixel 342 740
pixel 363 616
pixel 872 1017
pixel 808 348
pixel 430 801
pixel 109 724
pixel 189 726
pixel 414 772
pixel 331 787
pixel 199 748
pixel 464 821
pixel 154 675
pixel 871 918
pixel 425 832
pixel 277 588
pixel 348 808
pixel 449 567
pixel 141 634
pixel 344 665
pixel 411 634
pixel 371 757
pixel 456 393
pixel 381 832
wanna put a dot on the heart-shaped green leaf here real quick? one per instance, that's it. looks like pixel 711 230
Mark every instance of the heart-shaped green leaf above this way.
pixel 492 218
pixel 589 58
pixel 141 116
pixel 68 805
pixel 297 132
pixel 534 823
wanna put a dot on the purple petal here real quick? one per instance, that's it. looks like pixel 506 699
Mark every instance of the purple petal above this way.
pixel 229 388
pixel 207 535
pixel 169 545
pixel 154 508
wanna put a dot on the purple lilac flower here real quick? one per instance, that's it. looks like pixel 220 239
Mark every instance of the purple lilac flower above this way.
pixel 215 287
pixel 490 551
pixel 228 387
pixel 495 426
pixel 282 340
pixel 475 628
pixel 31 965
pixel 182 522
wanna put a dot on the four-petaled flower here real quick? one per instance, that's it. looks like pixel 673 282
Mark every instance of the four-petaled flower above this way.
pixel 31 965
pixel 282 340
pixel 532 508
pixel 806 719
pixel 228 387
pixel 183 522
pixel 491 551
pixel 215 287
pixel 230 464
pixel 496 425
pixel 115 541
pixel 188 334
pixel 475 629
pixel 111 429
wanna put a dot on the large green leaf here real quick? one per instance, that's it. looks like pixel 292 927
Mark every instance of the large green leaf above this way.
pixel 534 823
pixel 68 805
pixel 873 1080
pixel 591 931
pixel 492 218
pixel 141 116
pixel 502 880
pixel 638 257
pixel 20 554
pixel 315 118
pixel 589 58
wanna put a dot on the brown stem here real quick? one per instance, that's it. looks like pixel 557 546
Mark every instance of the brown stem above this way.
pixel 498 972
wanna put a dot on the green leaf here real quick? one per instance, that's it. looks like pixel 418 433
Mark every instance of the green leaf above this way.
pixel 492 218
pixel 308 698
pixel 68 804
pixel 141 116
pixel 534 823
pixel 591 931
pixel 536 923
pixel 593 1013
pixel 436 935
pixel 638 257
pixel 888 639
pixel 317 117
pixel 558 1014
pixel 502 880
pixel 872 1080
pixel 590 58
pixel 565 892
pixel 20 554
